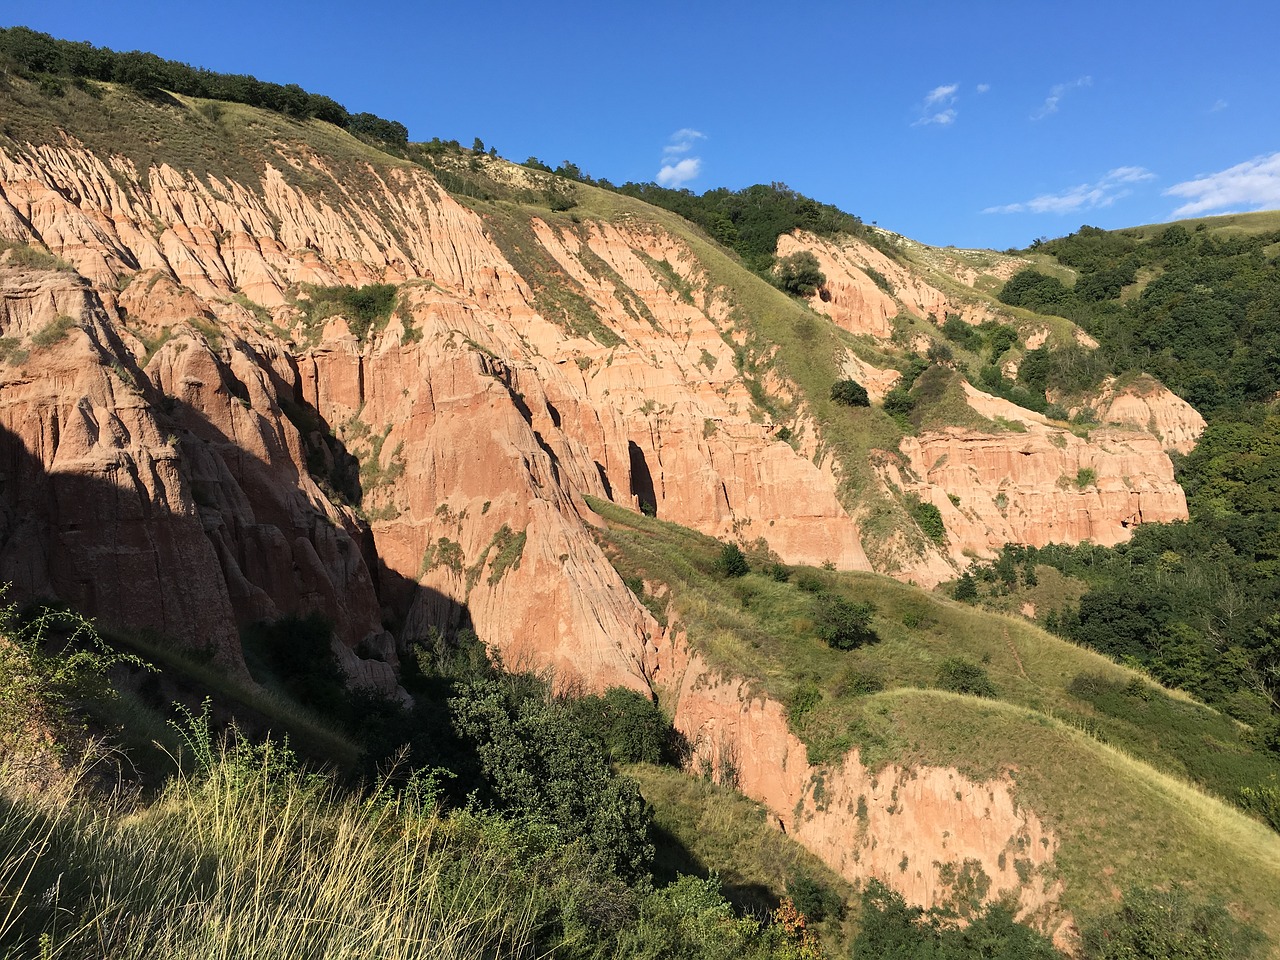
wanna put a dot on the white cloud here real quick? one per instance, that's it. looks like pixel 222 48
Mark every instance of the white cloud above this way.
pixel 1085 196
pixel 945 94
pixel 1056 94
pixel 679 173
pixel 938 106
pixel 682 142
pixel 677 168
pixel 1253 184
pixel 983 87
pixel 1218 105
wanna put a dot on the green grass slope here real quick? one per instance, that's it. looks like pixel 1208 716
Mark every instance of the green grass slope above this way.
pixel 1136 781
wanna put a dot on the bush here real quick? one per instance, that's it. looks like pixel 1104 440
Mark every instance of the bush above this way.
pixel 966 589
pixel 810 581
pixel 627 725
pixel 732 562
pixel 537 764
pixel 890 928
pixel 53 332
pixel 929 519
pixel 964 676
pixel 898 402
pixel 850 393
pixel 815 900
pixel 843 624
pixel 800 274
pixel 778 572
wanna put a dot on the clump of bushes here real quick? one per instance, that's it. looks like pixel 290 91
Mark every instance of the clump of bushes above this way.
pixel 363 307
pixel 800 274
pixel 627 725
pixel 1155 924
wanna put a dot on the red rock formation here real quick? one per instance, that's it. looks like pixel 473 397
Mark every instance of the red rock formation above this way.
pixel 480 417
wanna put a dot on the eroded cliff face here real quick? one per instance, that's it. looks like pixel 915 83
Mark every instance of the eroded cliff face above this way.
pixel 932 834
pixel 1147 404
pixel 480 415
pixel 1040 483
pixel 526 365
pixel 865 289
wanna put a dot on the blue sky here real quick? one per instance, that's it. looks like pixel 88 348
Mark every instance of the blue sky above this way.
pixel 972 124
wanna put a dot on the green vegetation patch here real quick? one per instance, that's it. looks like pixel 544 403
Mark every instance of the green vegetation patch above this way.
pixel 55 331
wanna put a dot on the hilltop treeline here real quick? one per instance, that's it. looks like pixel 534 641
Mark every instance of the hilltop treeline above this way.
pixel 750 221
pixel 1198 310
pixel 747 221
pixel 47 59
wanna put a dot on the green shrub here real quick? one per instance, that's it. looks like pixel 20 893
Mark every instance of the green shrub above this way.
pixel 850 393
pixel 960 675
pixel 800 274
pixel 928 518
pixel 33 258
pixel 966 588
pixel 859 683
pixel 627 725
pixel 898 402
pixel 1085 477
pixel 815 900
pixel 810 581
pixel 844 624
pixel 536 764
pixel 731 561
pixel 53 332
pixel 778 572
pixel 365 308
pixel 52 662
pixel 891 929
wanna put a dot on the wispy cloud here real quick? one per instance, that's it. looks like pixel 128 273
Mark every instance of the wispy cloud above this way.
pixel 1218 105
pixel 1253 184
pixel 938 106
pixel 678 168
pixel 983 87
pixel 1058 91
pixel 1085 196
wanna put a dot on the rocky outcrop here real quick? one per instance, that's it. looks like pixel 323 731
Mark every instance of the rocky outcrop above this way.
pixel 865 289
pixel 480 416
pixel 527 364
pixel 1146 404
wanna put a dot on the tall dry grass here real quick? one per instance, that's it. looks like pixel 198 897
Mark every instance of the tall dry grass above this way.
pixel 250 857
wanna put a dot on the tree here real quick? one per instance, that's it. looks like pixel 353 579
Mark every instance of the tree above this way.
pixel 850 393
pixel 800 274
pixel 966 589
pixel 844 624
pixel 477 146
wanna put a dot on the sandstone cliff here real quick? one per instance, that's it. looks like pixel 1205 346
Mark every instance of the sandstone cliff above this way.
pixel 529 361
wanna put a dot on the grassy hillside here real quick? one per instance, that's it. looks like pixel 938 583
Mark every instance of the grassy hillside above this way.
pixel 1136 781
